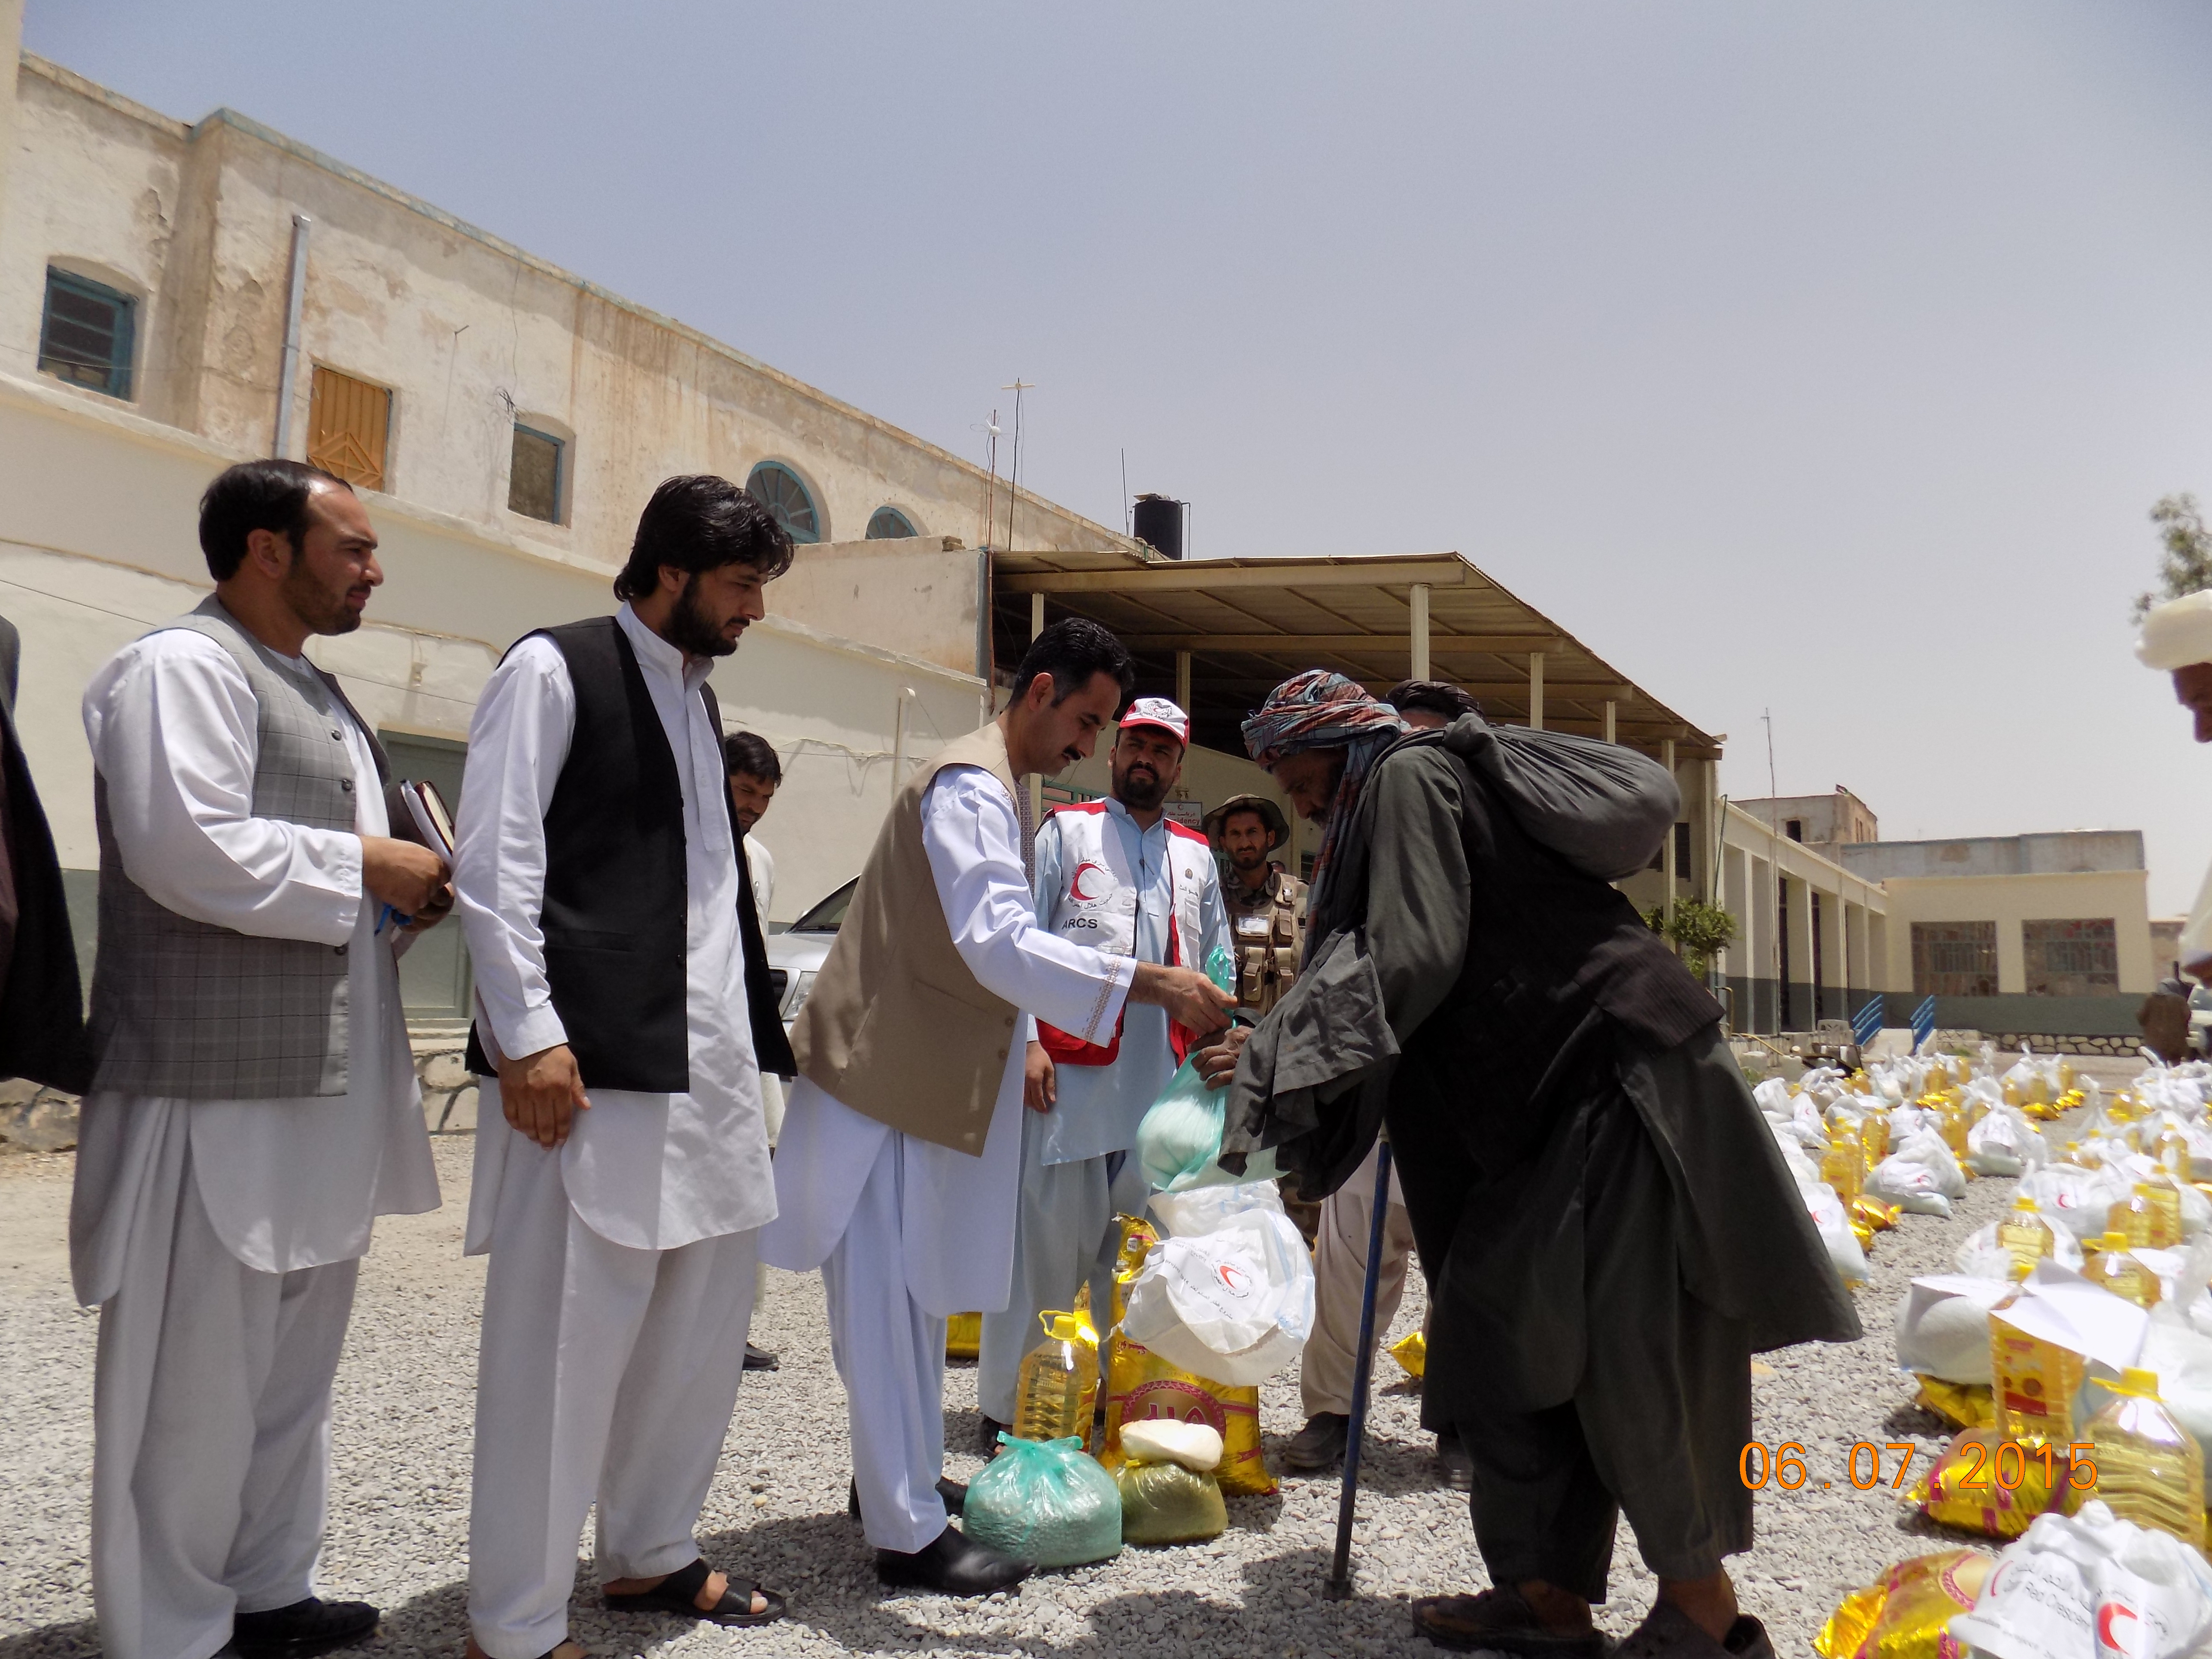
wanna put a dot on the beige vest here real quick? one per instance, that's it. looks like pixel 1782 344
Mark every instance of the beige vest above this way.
pixel 895 1026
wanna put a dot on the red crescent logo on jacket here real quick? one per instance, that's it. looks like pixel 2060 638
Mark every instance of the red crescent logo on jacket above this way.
pixel 1091 883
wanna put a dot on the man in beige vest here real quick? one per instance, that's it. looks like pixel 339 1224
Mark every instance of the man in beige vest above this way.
pixel 900 1163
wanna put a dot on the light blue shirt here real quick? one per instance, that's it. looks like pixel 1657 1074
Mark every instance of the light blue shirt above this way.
pixel 1100 1107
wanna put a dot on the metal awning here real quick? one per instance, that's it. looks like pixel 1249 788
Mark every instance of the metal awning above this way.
pixel 1218 634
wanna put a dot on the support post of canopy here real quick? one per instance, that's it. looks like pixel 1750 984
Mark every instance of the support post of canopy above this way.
pixel 1420 668
pixel 1535 690
pixel 1182 681
pixel 1609 707
pixel 1667 760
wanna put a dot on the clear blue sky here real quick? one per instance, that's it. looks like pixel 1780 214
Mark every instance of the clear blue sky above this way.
pixel 1823 359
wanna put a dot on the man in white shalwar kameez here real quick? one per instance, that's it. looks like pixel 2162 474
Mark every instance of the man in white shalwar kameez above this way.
pixel 1120 875
pixel 900 1163
pixel 622 1165
pixel 255 1108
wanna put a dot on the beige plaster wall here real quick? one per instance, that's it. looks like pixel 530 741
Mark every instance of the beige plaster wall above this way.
pixel 915 594
pixel 97 510
pixel 2007 901
pixel 469 333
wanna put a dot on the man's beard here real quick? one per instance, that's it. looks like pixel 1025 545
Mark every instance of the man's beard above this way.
pixel 324 611
pixel 1141 789
pixel 691 630
pixel 1245 863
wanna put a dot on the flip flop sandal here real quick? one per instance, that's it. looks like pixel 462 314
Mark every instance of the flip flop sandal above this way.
pixel 1497 1621
pixel 678 1594
pixel 1667 1632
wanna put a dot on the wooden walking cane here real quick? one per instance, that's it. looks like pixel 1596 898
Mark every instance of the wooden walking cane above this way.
pixel 1339 1571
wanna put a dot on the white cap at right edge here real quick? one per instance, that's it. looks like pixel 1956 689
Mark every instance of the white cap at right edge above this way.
pixel 2177 633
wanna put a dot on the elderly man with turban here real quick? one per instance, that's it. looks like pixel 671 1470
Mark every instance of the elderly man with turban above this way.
pixel 1606 1226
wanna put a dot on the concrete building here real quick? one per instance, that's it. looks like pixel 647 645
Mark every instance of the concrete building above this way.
pixel 1823 821
pixel 2063 914
pixel 1813 939
pixel 175 298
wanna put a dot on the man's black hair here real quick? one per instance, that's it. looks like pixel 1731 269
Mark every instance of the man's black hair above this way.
pixel 700 522
pixel 753 755
pixel 256 495
pixel 1071 650
pixel 1434 696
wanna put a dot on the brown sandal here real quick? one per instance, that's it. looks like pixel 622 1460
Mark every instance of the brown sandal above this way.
pixel 1497 1620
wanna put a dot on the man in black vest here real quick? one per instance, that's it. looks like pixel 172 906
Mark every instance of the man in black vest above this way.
pixel 625 1019
pixel 1605 1225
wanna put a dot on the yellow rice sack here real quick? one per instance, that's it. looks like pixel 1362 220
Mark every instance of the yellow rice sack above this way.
pixel 963 1336
pixel 1143 1385
pixel 1905 1615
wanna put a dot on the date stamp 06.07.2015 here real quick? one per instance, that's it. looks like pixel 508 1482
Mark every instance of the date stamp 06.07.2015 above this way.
pixel 2005 1467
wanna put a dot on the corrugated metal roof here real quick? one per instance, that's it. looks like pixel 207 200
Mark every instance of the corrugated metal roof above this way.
pixel 1251 624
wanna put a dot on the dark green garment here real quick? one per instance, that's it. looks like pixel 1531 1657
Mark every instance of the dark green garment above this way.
pixel 1518 990
pixel 1583 1380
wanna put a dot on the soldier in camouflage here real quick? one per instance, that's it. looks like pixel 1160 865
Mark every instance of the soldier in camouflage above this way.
pixel 1266 906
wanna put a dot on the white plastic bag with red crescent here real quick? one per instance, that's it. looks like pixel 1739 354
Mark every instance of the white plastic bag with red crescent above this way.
pixel 1235 1305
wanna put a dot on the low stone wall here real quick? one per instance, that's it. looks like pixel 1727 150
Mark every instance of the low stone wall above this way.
pixel 35 1119
pixel 39 1119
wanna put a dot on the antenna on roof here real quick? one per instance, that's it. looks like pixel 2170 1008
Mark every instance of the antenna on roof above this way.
pixel 1014 474
pixel 991 484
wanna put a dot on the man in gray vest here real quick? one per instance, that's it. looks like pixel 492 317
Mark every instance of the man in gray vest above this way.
pixel 900 1165
pixel 254 1107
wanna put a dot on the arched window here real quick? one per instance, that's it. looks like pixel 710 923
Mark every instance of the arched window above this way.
pixel 778 489
pixel 888 524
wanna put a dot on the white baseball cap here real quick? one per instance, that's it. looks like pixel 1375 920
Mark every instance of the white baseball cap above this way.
pixel 1158 711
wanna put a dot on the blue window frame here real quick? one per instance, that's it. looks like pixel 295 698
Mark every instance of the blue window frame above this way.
pixel 533 477
pixel 780 490
pixel 888 524
pixel 86 335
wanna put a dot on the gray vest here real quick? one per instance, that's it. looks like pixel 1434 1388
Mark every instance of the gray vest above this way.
pixel 189 1010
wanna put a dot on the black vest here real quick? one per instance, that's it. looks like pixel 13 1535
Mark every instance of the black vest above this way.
pixel 613 916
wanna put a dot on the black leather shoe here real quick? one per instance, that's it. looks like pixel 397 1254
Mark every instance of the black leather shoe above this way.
pixel 954 1495
pixel 987 1437
pixel 1320 1444
pixel 1454 1466
pixel 954 1565
pixel 760 1359
pixel 302 1630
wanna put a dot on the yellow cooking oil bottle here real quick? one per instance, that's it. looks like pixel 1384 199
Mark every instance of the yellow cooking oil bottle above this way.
pixel 2123 1273
pixel 2150 1470
pixel 2025 1234
pixel 1842 1166
pixel 2165 1199
pixel 2036 1381
pixel 1057 1386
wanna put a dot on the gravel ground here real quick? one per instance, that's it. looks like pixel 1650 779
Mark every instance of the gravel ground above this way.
pixel 399 1497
